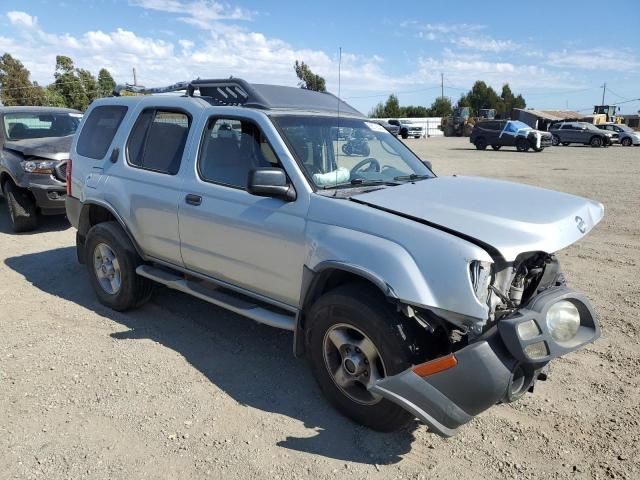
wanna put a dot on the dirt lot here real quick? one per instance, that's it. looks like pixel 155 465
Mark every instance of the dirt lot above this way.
pixel 181 389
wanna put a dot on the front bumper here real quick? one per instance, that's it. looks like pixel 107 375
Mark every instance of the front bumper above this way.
pixel 50 199
pixel 491 370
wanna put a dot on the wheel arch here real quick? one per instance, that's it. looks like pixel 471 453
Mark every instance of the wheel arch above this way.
pixel 94 212
pixel 325 277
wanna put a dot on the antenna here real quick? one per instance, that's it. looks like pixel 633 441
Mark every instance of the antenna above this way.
pixel 335 191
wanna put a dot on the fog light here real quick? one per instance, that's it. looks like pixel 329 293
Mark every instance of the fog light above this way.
pixel 563 321
pixel 528 330
pixel 536 350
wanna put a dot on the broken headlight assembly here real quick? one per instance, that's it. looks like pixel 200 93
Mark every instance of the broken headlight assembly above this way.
pixel 45 167
pixel 480 275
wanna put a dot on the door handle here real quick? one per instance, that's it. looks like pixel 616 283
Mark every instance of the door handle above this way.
pixel 192 199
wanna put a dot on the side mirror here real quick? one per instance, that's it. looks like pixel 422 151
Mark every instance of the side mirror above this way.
pixel 270 182
pixel 427 164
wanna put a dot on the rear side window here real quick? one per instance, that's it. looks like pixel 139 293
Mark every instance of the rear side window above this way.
pixel 99 129
pixel 157 140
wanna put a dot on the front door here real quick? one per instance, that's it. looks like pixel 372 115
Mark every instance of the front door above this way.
pixel 256 243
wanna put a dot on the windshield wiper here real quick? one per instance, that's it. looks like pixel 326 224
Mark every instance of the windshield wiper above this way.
pixel 359 182
pixel 412 177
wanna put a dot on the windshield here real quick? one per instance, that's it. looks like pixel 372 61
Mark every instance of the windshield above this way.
pixel 516 125
pixel 623 128
pixel 20 126
pixel 369 154
pixel 590 126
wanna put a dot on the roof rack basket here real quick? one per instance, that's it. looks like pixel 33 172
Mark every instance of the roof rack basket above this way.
pixel 228 91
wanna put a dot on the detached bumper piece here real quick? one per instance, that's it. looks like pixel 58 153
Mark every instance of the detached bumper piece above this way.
pixel 448 392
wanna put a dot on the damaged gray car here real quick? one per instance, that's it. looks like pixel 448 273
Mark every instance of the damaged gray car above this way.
pixel 411 295
pixel 35 145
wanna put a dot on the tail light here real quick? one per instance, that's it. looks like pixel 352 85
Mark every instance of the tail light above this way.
pixel 69 164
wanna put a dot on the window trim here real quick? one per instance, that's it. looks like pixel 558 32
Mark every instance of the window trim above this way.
pixel 155 110
pixel 201 145
pixel 85 120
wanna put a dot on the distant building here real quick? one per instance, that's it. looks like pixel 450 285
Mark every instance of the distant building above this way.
pixel 632 121
pixel 542 119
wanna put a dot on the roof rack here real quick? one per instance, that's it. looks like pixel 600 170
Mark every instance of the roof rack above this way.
pixel 238 92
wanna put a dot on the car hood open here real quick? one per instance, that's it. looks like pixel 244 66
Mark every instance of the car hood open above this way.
pixel 52 148
pixel 506 217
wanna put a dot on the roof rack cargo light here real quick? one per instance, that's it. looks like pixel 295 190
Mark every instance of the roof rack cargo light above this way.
pixel 238 92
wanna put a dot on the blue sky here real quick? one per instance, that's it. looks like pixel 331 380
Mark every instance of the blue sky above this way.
pixel 551 52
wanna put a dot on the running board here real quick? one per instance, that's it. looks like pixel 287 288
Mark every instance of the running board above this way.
pixel 236 304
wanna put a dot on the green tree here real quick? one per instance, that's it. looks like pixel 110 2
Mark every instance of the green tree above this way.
pixel 308 79
pixel 106 83
pixel 414 111
pixel 53 98
pixel 441 107
pixel 392 107
pixel 480 96
pixel 378 111
pixel 16 87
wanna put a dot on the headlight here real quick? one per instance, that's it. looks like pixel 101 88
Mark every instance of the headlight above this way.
pixel 39 166
pixel 563 321
pixel 480 273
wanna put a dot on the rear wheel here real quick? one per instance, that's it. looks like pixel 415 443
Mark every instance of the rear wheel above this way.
pixel 596 142
pixel 22 207
pixel 111 261
pixel 481 143
pixel 555 140
pixel 625 142
pixel 354 339
pixel 496 147
pixel 522 145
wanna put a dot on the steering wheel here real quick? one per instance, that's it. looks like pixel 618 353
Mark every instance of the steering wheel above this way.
pixel 372 162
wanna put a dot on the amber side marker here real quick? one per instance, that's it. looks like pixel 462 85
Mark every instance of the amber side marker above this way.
pixel 435 366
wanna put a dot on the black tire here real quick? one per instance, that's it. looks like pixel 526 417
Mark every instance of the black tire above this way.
pixel 496 147
pixel 566 144
pixel 522 145
pixel 346 149
pixel 22 207
pixel 404 134
pixel 625 142
pixel 596 141
pixel 134 290
pixel 364 308
pixel 555 140
pixel 481 143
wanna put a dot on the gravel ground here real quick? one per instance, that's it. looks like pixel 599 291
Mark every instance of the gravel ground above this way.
pixel 181 389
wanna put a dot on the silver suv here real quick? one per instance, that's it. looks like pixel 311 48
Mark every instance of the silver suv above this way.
pixel 411 295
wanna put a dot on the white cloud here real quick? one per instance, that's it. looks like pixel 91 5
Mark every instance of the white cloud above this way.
pixel 486 44
pixel 199 13
pixel 595 59
pixel 22 19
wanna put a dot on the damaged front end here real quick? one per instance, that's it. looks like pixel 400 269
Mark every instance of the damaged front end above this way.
pixel 534 317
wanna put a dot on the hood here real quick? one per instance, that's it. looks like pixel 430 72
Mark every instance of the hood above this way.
pixel 52 148
pixel 511 218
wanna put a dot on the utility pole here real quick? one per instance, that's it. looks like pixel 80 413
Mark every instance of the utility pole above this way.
pixel 604 89
pixel 442 85
pixel 135 79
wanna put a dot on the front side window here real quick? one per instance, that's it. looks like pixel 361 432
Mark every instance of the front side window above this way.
pixel 157 140
pixel 230 149
pixel 369 155
pixel 21 126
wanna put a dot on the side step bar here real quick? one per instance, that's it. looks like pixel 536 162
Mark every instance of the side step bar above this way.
pixel 241 305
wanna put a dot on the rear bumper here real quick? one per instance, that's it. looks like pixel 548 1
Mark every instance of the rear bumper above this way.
pixel 494 369
pixel 73 207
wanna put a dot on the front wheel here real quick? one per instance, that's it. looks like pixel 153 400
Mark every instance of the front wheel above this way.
pixel 596 142
pixel 22 207
pixel 354 339
pixel 111 261
pixel 404 134
pixel 626 142
pixel 555 140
